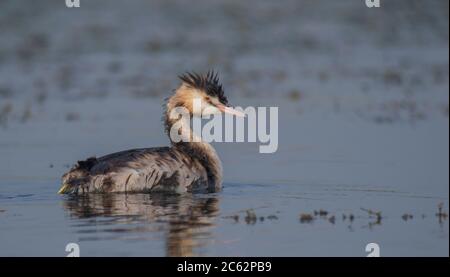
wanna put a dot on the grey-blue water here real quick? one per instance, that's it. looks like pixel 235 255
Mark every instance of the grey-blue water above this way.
pixel 333 181
pixel 42 223
pixel 363 150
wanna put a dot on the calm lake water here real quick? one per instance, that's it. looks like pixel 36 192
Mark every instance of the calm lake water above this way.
pixel 363 152
pixel 333 181
pixel 42 223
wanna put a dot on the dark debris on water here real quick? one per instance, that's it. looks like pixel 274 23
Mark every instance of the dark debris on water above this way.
pixel 306 218
pixel 407 217
pixel 375 217
pixel 251 218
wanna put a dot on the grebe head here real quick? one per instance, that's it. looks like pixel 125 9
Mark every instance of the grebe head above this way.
pixel 208 92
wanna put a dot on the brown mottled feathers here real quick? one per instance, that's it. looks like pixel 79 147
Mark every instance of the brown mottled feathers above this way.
pixel 138 170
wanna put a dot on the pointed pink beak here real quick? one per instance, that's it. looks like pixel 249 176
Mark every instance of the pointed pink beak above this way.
pixel 230 110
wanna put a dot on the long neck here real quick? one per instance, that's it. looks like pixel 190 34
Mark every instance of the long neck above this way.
pixel 194 146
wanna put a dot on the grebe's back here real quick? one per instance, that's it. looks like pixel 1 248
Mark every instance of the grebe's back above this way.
pixel 137 170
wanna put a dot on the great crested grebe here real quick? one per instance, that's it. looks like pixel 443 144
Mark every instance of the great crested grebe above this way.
pixel 185 166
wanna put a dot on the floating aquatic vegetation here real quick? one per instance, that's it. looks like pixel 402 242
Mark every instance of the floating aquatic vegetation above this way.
pixel 250 218
pixel 407 217
pixel 351 217
pixel 321 213
pixel 441 215
pixel 306 218
pixel 332 219
pixel 373 214
pixel 235 217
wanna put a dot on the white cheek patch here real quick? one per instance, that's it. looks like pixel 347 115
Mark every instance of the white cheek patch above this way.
pixel 197 106
pixel 201 108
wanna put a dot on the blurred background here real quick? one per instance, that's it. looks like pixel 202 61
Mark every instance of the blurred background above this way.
pixel 340 51
pixel 362 95
pixel 58 65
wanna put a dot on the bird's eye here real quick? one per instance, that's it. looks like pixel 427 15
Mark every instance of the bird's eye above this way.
pixel 208 100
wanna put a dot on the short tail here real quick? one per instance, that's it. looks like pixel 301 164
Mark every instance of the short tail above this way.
pixel 77 176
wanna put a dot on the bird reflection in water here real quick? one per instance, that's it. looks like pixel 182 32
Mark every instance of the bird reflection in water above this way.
pixel 185 220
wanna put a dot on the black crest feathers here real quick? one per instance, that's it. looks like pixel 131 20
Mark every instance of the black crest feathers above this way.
pixel 209 83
